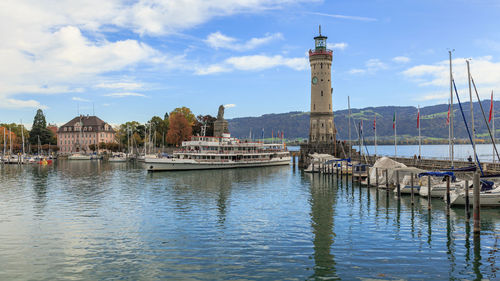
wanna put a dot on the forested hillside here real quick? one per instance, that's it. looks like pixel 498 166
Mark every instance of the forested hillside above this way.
pixel 433 122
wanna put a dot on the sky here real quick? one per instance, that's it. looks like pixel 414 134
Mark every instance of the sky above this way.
pixel 129 60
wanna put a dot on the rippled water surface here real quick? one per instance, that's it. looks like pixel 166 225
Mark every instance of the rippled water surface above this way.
pixel 93 221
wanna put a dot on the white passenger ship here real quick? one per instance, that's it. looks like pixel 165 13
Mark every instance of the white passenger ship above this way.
pixel 202 153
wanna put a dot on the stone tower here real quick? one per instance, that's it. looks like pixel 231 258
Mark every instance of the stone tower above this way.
pixel 321 127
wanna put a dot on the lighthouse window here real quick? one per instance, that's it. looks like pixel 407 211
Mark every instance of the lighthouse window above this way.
pixel 322 125
pixel 329 106
pixel 321 93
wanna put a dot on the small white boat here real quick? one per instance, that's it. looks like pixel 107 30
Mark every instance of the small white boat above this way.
pixel 118 157
pixel 406 181
pixel 78 156
pixel 438 184
pixel 488 197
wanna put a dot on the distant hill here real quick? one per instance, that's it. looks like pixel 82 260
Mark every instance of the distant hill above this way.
pixel 433 122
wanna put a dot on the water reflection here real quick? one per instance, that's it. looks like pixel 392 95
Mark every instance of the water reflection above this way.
pixel 322 201
pixel 91 220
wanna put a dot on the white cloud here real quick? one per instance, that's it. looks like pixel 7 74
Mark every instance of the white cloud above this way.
pixel 254 63
pixel 338 46
pixel 120 85
pixel 80 99
pixel 260 62
pixel 55 46
pixel 484 71
pixel 229 105
pixel 371 66
pixel 345 17
pixel 18 104
pixel 122 95
pixel 401 59
pixel 218 40
pixel 212 69
pixel 357 71
pixel 163 17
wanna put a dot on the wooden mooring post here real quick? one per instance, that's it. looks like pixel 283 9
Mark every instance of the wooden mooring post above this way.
pixel 467 202
pixel 476 205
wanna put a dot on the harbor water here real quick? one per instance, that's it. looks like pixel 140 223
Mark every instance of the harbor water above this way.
pixel 91 220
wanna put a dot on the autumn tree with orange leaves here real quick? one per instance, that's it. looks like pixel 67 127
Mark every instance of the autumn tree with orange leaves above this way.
pixel 180 129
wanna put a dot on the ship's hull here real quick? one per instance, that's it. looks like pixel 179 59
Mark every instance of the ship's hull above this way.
pixel 487 199
pixel 170 164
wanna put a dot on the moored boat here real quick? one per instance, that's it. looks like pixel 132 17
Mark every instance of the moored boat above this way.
pixel 489 196
pixel 201 153
pixel 78 156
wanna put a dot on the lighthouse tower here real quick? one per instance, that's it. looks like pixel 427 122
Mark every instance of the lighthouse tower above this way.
pixel 322 129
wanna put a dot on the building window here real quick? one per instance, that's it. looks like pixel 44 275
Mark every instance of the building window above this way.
pixel 314 106
pixel 329 106
pixel 321 93
pixel 321 65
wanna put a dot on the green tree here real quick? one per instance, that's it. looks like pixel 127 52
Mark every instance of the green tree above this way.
pixel 159 127
pixel 39 130
pixel 207 120
pixel 187 114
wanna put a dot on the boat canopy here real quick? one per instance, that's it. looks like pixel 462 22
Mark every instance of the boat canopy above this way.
pixel 486 185
pixel 439 174
pixel 436 174
pixel 338 160
pixel 464 169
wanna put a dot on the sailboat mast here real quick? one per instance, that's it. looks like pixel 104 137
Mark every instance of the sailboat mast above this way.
pixel 493 124
pixel 419 135
pixel 450 140
pixel 22 135
pixel 349 127
pixel 10 141
pixel 395 137
pixel 375 128
pixel 472 113
pixel 4 141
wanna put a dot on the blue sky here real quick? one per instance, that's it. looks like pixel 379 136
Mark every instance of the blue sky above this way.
pixel 131 60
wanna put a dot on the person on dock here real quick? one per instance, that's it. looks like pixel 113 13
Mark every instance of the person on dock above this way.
pixel 470 159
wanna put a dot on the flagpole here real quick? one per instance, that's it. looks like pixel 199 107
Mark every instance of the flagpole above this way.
pixel 451 141
pixel 419 135
pixel 395 138
pixel 449 129
pixel 349 127
pixel 375 128
pixel 472 114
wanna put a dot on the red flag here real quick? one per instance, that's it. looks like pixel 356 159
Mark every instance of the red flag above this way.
pixel 491 107
pixel 448 119
pixel 418 118
pixel 375 123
